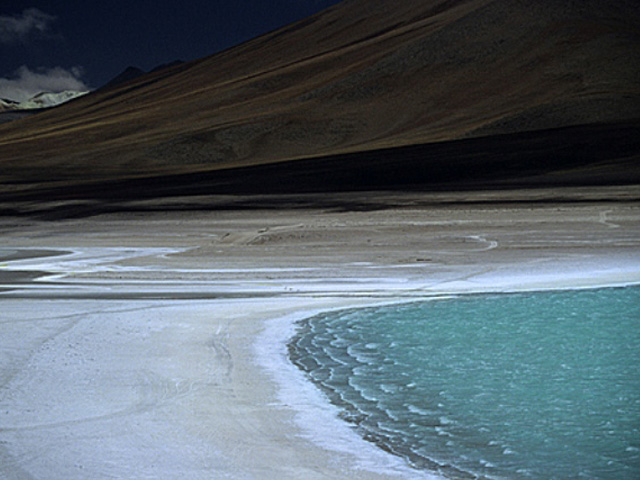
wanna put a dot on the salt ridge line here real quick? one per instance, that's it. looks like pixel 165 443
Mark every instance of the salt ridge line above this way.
pixel 578 272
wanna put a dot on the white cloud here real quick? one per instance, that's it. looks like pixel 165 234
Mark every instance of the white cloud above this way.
pixel 26 83
pixel 18 28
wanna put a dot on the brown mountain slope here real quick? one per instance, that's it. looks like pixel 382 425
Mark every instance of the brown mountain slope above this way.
pixel 361 76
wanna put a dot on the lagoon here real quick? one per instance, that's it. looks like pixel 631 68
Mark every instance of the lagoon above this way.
pixel 539 385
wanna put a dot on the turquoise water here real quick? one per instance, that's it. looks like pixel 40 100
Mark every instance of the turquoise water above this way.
pixel 512 386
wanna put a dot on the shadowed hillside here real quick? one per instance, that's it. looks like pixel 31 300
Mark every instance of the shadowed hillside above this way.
pixel 361 76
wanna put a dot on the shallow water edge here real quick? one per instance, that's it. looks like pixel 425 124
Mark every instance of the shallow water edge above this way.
pixel 288 338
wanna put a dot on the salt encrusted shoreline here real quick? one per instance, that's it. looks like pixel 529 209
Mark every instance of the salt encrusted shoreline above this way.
pixel 317 419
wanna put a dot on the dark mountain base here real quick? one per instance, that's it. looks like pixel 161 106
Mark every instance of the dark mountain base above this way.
pixel 602 154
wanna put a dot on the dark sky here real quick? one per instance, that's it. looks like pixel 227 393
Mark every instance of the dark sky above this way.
pixel 58 42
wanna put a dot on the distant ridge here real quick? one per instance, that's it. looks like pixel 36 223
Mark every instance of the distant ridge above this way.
pixel 11 110
pixel 41 100
pixel 131 73
pixel 128 74
pixel 7 104
pixel 361 76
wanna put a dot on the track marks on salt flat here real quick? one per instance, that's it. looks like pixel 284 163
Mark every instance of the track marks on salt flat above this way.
pixel 221 354
pixel 145 390
pixel 603 219
pixel 489 244
pixel 10 467
pixel 257 236
pixel 68 322
pixel 153 392
pixel 484 245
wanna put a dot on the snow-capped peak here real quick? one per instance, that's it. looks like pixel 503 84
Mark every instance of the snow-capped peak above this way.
pixel 6 104
pixel 48 99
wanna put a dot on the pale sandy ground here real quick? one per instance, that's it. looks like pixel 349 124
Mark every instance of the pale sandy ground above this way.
pixel 156 349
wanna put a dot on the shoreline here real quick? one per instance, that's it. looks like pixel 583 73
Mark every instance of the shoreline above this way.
pixel 310 403
pixel 323 433
pixel 316 418
pixel 173 326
